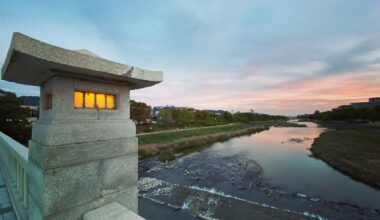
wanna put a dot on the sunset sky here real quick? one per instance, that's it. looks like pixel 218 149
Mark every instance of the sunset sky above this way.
pixel 277 57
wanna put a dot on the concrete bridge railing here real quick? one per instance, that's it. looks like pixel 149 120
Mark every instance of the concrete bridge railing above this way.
pixel 14 163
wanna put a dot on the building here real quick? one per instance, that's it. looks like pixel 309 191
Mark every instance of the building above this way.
pixel 357 105
pixel 372 103
pixel 83 151
pixel 374 100
pixel 156 109
pixel 215 112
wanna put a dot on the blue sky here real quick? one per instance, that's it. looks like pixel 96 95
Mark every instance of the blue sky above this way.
pixel 285 57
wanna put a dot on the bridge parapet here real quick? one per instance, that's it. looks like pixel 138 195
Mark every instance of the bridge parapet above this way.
pixel 14 165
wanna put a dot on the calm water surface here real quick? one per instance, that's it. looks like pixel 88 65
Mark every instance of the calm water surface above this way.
pixel 288 164
pixel 273 167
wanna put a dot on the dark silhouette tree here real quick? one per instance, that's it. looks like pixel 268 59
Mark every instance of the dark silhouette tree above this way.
pixel 13 118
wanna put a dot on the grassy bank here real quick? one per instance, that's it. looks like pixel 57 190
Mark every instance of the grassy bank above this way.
pixel 290 124
pixel 351 149
pixel 167 143
pixel 167 137
pixel 147 128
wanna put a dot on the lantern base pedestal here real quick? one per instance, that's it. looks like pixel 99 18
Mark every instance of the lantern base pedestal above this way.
pixel 65 181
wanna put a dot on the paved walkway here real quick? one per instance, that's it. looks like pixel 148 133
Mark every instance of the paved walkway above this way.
pixel 6 209
pixel 183 129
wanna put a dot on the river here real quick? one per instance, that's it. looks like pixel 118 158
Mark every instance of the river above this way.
pixel 273 169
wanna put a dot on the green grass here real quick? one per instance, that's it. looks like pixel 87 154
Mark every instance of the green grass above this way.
pixel 146 128
pixel 167 137
pixel 354 151
pixel 157 127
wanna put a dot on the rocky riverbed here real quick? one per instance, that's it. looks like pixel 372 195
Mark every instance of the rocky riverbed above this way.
pixel 207 203
pixel 192 182
pixel 218 184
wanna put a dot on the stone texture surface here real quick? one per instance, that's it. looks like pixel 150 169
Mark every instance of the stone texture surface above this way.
pixel 119 173
pixel 126 197
pixel 89 176
pixel 49 157
pixel 64 188
pixel 39 57
pixel 113 211
pixel 79 159
pixel 60 133
pixel 62 90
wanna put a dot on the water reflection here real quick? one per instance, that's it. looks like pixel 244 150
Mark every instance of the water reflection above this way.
pixel 288 165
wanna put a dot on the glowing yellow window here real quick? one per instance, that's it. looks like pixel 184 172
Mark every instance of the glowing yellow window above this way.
pixel 78 99
pixel 93 100
pixel 110 101
pixel 100 100
pixel 89 100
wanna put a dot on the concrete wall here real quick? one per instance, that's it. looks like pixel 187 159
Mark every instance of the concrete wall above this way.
pixel 81 159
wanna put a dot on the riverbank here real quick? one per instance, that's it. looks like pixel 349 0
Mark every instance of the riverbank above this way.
pixel 167 143
pixel 249 173
pixel 182 129
pixel 351 149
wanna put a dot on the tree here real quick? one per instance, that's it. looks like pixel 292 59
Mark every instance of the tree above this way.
pixel 13 118
pixel 348 114
pixel 165 117
pixel 227 116
pixel 140 112
pixel 176 116
pixel 202 116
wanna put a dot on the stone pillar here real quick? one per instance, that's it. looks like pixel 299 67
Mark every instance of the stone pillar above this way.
pixel 81 159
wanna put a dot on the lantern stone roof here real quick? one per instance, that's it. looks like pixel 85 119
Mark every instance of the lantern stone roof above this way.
pixel 33 62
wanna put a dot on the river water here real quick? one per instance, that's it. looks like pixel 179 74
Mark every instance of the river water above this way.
pixel 274 168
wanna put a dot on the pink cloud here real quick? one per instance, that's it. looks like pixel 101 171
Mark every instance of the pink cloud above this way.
pixel 291 97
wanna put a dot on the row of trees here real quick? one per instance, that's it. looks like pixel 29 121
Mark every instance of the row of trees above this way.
pixel 348 114
pixel 13 118
pixel 252 116
pixel 187 116
pixel 183 117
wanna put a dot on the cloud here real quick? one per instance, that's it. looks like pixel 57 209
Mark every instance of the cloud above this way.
pixel 218 53
pixel 350 60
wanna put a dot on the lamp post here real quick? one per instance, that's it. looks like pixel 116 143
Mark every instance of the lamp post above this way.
pixel 83 151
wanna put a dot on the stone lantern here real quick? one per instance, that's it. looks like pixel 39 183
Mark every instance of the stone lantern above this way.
pixel 83 151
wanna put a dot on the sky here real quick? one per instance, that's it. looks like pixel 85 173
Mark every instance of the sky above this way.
pixel 272 56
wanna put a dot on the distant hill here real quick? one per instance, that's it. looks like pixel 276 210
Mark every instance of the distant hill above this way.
pixel 27 100
pixel 30 100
